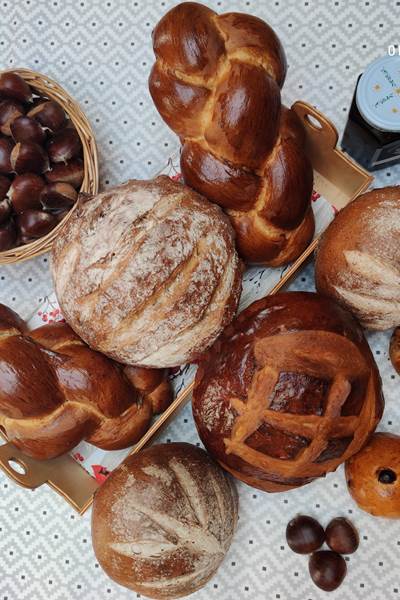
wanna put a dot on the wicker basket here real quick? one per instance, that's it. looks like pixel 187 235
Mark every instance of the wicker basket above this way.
pixel 49 88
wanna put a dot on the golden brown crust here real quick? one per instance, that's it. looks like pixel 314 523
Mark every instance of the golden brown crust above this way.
pixel 55 392
pixel 373 476
pixel 288 392
pixel 216 83
pixel 163 521
pixel 358 258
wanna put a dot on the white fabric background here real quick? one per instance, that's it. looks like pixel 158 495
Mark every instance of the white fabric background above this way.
pixel 100 51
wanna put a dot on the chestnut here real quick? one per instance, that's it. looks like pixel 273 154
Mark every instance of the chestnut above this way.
pixel 342 536
pixel 25 192
pixel 25 129
pixel 59 195
pixel 71 172
pixel 4 186
pixel 304 534
pixel 6 147
pixel 35 223
pixel 28 157
pixel 49 114
pixel 64 146
pixel 5 210
pixel 9 111
pixel 14 86
pixel 8 235
pixel 327 569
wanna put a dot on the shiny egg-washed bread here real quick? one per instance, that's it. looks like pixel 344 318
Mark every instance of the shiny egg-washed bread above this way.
pixel 164 520
pixel 288 392
pixel 147 272
pixel 56 392
pixel 358 258
pixel 216 82
pixel 373 476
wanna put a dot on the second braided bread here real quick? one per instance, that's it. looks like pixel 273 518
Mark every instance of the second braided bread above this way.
pixel 216 82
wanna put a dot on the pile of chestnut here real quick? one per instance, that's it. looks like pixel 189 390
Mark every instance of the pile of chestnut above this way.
pixel 41 166
pixel 327 568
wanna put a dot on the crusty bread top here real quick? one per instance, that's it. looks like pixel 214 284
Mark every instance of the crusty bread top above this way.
pixel 147 272
pixel 358 258
pixel 164 520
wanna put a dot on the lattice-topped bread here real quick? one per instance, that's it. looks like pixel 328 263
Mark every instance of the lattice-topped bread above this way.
pixel 288 392
pixel 147 272
pixel 216 82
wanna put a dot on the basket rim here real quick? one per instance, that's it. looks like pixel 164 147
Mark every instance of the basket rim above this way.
pixel 45 85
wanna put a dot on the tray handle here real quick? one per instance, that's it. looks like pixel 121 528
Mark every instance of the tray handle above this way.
pixel 63 474
pixel 316 123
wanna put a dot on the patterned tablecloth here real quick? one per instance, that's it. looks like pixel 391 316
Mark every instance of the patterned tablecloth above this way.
pixel 100 51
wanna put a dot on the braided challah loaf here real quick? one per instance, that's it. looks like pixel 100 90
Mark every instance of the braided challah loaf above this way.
pixel 216 83
pixel 288 392
pixel 55 391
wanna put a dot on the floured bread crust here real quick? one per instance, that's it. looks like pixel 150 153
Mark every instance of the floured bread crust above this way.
pixel 147 272
pixel 358 259
pixel 164 520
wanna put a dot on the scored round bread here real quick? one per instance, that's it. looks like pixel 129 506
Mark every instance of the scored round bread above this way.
pixel 164 520
pixel 358 258
pixel 147 272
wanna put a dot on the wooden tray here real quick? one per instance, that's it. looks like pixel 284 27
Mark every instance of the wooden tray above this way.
pixel 338 179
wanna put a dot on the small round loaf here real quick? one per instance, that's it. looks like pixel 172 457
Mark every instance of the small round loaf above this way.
pixel 164 520
pixel 358 258
pixel 373 476
pixel 288 392
pixel 147 272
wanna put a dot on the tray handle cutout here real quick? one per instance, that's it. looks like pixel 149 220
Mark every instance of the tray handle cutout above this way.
pixel 316 123
pixel 64 474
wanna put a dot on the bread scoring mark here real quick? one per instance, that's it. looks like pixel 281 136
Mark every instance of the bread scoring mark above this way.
pixel 206 329
pixel 378 312
pixel 144 548
pixel 160 473
pixel 191 490
pixel 373 269
pixel 190 536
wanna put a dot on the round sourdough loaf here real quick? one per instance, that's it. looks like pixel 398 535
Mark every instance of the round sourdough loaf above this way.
pixel 164 520
pixel 358 258
pixel 147 272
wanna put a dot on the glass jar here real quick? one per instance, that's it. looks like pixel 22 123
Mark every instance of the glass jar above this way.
pixel 372 133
